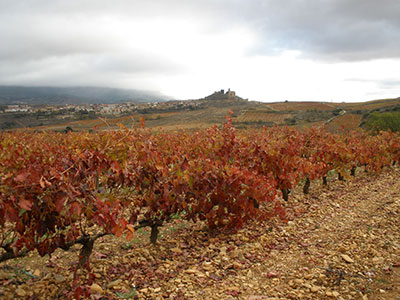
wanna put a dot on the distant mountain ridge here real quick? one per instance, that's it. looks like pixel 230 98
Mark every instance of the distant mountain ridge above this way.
pixel 74 95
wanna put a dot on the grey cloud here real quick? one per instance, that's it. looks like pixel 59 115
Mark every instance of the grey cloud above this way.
pixel 62 42
pixel 74 9
pixel 348 30
pixel 381 83
pixel 391 84
pixel 336 30
pixel 138 62
pixel 55 39
pixel 103 70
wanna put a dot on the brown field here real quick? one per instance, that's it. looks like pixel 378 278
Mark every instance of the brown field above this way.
pixel 305 125
pixel 371 104
pixel 106 123
pixel 264 116
pixel 347 121
pixel 301 106
pixel 306 114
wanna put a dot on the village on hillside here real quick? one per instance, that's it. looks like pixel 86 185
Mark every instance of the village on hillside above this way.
pixel 196 113
pixel 69 112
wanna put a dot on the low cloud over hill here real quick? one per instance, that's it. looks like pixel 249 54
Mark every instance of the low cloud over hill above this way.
pixel 74 95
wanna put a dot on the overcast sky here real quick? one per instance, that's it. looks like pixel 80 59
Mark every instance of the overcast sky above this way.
pixel 266 50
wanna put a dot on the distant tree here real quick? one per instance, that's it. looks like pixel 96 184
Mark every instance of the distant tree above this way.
pixel 290 121
pixel 383 121
pixel 8 125
pixel 336 111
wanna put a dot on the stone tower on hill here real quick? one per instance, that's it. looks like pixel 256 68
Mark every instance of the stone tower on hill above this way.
pixel 222 95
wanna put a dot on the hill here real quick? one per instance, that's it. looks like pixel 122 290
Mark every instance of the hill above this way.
pixel 212 110
pixel 73 95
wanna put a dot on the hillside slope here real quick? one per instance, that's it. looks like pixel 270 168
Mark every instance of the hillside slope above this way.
pixel 206 112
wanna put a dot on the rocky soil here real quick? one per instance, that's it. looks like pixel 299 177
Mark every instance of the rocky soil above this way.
pixel 341 242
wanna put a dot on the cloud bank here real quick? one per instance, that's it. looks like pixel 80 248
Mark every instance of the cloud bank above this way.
pixel 160 43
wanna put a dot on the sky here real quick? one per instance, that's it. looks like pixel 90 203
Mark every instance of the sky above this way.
pixel 265 50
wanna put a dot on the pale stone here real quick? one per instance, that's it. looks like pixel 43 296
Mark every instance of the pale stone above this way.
pixel 347 258
pixel 59 278
pixel 299 281
pixel 96 288
pixel 314 289
pixel 20 292
pixel 176 250
pixel 377 260
pixel 114 283
pixel 335 294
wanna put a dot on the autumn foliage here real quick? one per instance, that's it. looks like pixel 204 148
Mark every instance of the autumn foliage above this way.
pixel 60 189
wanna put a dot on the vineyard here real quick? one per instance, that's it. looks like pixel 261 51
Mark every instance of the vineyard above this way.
pixel 59 190
pixel 262 116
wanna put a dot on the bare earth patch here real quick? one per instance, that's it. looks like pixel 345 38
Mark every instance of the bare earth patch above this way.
pixel 341 242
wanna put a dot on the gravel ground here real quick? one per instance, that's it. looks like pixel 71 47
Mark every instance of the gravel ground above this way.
pixel 341 242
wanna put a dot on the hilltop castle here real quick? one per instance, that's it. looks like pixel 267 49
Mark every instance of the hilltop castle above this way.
pixel 221 95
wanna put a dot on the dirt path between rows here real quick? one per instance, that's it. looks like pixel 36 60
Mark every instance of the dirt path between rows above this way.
pixel 342 242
